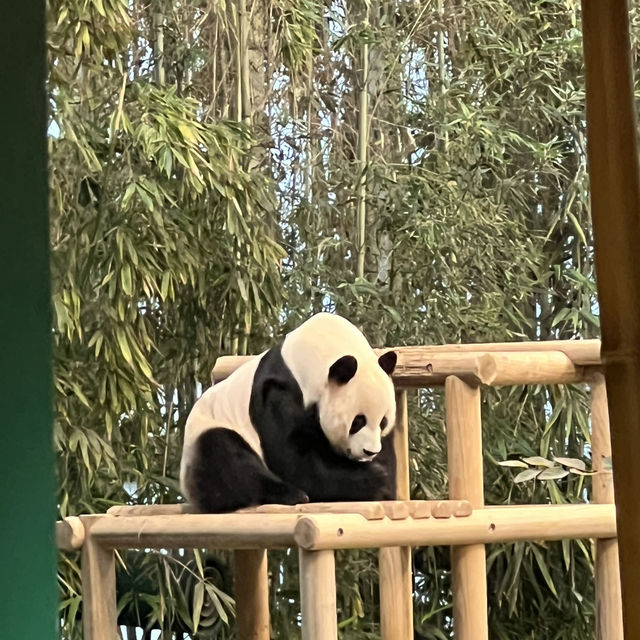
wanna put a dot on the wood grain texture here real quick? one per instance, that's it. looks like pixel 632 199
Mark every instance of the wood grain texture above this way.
pixel 318 595
pixel 401 446
pixel 99 618
pixel 612 154
pixel 396 579
pixel 484 526
pixel 451 508
pixel 251 588
pixel 368 510
pixel 215 531
pixel 466 482
pixel 151 509
pixel 552 362
pixel 396 593
pixel 69 533
pixel 607 567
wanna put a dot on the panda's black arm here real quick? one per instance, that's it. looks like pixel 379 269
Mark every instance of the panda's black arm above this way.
pixel 296 449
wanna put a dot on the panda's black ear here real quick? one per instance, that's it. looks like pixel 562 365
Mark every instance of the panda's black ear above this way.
pixel 388 361
pixel 343 369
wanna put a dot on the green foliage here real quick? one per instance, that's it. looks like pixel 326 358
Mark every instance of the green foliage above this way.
pixel 186 165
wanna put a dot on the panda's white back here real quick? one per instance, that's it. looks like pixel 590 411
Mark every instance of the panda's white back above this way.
pixel 223 405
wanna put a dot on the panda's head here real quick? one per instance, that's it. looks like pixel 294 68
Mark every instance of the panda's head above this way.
pixel 357 406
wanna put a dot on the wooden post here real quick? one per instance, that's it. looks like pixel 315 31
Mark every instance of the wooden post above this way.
pixel 99 617
pixel 396 580
pixel 608 595
pixel 252 594
pixel 614 177
pixel 464 451
pixel 318 595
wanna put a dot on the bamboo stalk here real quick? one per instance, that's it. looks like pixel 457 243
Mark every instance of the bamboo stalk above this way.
pixel 158 48
pixel 464 457
pixel 614 175
pixel 483 526
pixel 318 595
pixel 243 67
pixel 363 146
pixel 607 568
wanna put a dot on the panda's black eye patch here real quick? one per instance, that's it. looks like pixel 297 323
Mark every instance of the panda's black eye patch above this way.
pixel 383 423
pixel 358 423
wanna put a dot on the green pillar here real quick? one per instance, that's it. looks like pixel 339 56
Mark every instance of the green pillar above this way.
pixel 28 599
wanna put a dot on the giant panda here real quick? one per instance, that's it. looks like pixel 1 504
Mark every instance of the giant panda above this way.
pixel 307 420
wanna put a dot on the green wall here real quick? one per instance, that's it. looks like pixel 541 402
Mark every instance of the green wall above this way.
pixel 27 508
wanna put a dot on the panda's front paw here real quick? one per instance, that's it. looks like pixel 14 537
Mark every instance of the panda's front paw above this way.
pixel 283 493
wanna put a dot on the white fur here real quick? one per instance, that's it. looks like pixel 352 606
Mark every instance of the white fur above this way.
pixel 225 404
pixel 309 352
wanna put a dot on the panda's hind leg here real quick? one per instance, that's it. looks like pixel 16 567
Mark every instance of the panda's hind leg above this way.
pixel 226 474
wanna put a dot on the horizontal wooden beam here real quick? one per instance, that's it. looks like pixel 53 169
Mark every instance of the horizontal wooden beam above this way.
pixel 329 531
pixel 580 352
pixel 151 509
pixel 431 366
pixel 212 531
pixel 70 533
pixel 483 526
pixel 394 509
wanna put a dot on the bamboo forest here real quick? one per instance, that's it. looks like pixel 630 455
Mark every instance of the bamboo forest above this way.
pixel 220 170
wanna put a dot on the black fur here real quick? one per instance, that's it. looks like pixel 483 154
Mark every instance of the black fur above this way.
pixel 388 361
pixel 343 369
pixel 298 452
pixel 226 474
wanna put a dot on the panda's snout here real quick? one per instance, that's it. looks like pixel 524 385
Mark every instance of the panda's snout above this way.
pixel 370 453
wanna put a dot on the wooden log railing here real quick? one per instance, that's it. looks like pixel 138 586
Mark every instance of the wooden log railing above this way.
pixel 463 522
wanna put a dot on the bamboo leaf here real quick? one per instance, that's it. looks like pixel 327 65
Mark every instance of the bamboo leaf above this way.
pixel 538 461
pixel 123 344
pixel 571 462
pixel 527 474
pixel 198 600
pixel 125 279
pixel 513 463
pixel 553 473
pixel 542 565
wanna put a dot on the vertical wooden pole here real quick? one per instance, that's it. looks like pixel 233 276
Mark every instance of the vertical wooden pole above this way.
pixel 464 452
pixel 252 594
pixel 608 595
pixel 401 445
pixel 614 175
pixel 99 617
pixel 396 581
pixel 318 595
